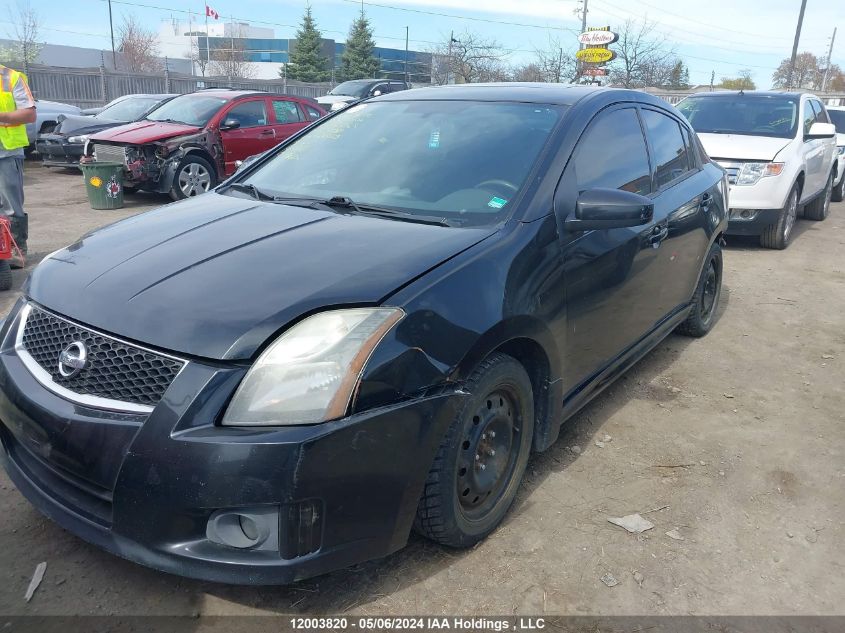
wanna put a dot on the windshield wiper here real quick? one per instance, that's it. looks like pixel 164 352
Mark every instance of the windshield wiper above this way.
pixel 251 189
pixel 344 202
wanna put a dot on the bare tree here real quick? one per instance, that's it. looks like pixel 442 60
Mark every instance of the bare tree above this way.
pixel 470 59
pixel 642 59
pixel 26 23
pixel 556 64
pixel 231 61
pixel 198 57
pixel 808 72
pixel 139 47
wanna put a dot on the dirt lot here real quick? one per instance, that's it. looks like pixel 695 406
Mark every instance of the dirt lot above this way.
pixel 735 441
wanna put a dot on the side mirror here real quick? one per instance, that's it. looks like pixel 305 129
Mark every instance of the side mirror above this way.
pixel 821 130
pixel 376 93
pixel 230 124
pixel 610 209
pixel 240 164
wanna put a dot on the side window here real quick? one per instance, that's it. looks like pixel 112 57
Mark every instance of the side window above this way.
pixel 286 111
pixel 809 116
pixel 248 113
pixel 670 151
pixel 313 113
pixel 378 88
pixel 396 86
pixel 821 113
pixel 691 148
pixel 612 154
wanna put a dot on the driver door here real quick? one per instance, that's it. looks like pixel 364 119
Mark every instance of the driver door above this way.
pixel 254 133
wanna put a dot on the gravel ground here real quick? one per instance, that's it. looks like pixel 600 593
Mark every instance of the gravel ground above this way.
pixel 733 442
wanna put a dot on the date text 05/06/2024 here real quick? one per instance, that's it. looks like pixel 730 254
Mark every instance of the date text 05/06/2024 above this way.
pixel 456 623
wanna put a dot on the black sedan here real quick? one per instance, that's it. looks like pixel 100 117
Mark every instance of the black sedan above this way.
pixel 365 331
pixel 63 146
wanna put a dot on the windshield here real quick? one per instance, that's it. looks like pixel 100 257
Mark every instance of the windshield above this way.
pixel 355 89
pixel 190 109
pixel 127 110
pixel 453 159
pixel 752 115
pixel 837 117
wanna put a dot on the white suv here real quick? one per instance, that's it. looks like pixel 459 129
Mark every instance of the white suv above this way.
pixel 837 117
pixel 779 151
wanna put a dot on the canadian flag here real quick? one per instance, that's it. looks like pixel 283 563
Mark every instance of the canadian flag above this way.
pixel 211 13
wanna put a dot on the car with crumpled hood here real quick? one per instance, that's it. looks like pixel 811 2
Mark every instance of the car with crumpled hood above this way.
pixel 189 144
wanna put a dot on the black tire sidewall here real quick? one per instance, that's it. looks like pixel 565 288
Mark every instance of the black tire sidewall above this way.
pixel 505 373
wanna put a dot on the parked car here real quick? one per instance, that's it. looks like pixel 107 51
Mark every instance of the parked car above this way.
pixel 366 329
pixel 350 92
pixel 837 117
pixel 63 146
pixel 46 117
pixel 778 149
pixel 98 109
pixel 187 145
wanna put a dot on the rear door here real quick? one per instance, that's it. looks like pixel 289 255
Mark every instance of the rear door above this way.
pixel 288 118
pixel 253 135
pixel 612 276
pixel 683 194
pixel 814 150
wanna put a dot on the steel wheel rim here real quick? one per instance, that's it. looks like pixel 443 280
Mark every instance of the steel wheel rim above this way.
pixel 791 213
pixel 194 179
pixel 489 453
pixel 710 293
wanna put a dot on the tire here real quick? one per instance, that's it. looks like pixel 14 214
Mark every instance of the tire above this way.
pixel 819 208
pixel 777 235
pixel 705 301
pixel 838 194
pixel 5 275
pixel 461 502
pixel 193 176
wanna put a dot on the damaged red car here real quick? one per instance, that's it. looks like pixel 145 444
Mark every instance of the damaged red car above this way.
pixel 189 144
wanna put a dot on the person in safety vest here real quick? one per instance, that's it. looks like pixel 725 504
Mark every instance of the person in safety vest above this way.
pixel 17 108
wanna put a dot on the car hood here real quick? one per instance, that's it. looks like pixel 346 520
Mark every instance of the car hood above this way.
pixel 215 276
pixel 84 125
pixel 141 132
pixel 742 147
pixel 329 99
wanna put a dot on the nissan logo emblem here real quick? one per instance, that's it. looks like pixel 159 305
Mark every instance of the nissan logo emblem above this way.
pixel 72 360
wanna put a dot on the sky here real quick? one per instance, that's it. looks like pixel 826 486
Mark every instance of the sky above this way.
pixel 721 36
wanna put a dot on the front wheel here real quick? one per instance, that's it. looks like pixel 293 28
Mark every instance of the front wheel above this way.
pixel 481 461
pixel 777 235
pixel 194 176
pixel 705 301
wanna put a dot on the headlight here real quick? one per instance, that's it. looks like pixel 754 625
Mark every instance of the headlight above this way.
pixel 77 139
pixel 309 373
pixel 337 105
pixel 841 150
pixel 750 173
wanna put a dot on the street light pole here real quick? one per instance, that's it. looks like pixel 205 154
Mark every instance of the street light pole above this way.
pixel 406 55
pixel 449 61
pixel 827 66
pixel 111 29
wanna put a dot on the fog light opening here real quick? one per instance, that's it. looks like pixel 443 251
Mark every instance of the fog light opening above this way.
pixel 249 528
pixel 245 529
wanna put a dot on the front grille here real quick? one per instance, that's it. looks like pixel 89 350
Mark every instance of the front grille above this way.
pixel 110 153
pixel 731 168
pixel 114 370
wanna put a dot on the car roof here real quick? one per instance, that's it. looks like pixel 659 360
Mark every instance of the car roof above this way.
pixel 229 93
pixel 557 94
pixel 755 93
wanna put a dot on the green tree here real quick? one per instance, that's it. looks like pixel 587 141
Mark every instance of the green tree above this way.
pixel 358 61
pixel 307 62
pixel 743 82
pixel 679 76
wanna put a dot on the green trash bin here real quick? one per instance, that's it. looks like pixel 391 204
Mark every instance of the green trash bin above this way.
pixel 104 184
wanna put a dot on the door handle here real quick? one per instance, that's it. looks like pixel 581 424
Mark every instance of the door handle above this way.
pixel 658 234
pixel 270 132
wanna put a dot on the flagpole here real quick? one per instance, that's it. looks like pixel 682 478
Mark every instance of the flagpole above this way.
pixel 207 39
pixel 191 42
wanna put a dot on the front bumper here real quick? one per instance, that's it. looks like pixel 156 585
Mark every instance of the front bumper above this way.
pixel 754 224
pixel 54 150
pixel 144 487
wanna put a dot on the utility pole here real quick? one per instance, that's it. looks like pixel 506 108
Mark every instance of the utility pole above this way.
pixel 827 66
pixel 407 80
pixel 795 44
pixel 712 79
pixel 111 29
pixel 583 29
pixel 449 61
